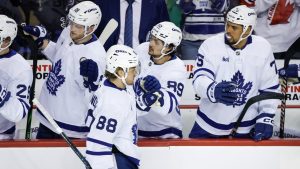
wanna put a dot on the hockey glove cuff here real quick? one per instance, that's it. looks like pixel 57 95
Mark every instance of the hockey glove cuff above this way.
pixel 292 71
pixel 263 129
pixel 222 92
pixel 89 71
pixel 38 33
pixel 148 100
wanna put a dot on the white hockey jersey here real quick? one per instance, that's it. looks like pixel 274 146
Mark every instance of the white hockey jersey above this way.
pixel 112 121
pixel 278 21
pixel 253 68
pixel 164 121
pixel 63 93
pixel 16 76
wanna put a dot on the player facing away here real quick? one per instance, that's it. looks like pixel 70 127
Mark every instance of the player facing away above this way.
pixel 15 80
pixel 111 142
pixel 230 69
pixel 160 84
pixel 78 61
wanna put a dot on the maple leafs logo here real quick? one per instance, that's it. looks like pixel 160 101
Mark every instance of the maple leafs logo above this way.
pixel 55 80
pixel 242 89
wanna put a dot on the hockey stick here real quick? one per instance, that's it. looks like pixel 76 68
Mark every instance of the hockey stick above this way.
pixel 34 56
pixel 252 100
pixel 110 27
pixel 288 55
pixel 59 130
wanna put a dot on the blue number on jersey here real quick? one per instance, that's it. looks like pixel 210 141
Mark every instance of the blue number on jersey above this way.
pixel 110 124
pixel 200 60
pixel 177 87
pixel 24 91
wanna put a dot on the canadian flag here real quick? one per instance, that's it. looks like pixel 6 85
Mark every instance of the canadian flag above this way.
pixel 280 12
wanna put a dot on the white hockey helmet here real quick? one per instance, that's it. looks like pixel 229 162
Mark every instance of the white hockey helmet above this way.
pixel 120 56
pixel 168 32
pixel 8 28
pixel 85 13
pixel 242 15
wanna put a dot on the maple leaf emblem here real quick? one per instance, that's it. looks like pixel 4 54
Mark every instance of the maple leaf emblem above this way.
pixel 242 89
pixel 55 79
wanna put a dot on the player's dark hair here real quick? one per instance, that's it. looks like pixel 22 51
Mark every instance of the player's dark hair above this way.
pixel 111 76
pixel 172 46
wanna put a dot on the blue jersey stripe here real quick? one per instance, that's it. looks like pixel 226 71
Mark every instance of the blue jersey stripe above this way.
pixel 224 126
pixel 99 142
pixel 25 107
pixel 100 153
pixel 170 130
pixel 207 28
pixel 68 126
pixel 205 70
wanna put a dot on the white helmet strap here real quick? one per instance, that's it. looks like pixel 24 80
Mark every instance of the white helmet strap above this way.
pixel 1 42
pixel 162 52
pixel 123 78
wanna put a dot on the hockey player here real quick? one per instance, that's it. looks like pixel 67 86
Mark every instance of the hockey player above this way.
pixel 112 114
pixel 15 80
pixel 160 85
pixel 230 69
pixel 78 61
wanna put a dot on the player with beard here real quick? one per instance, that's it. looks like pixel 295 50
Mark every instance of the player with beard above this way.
pixel 160 84
pixel 230 69
pixel 78 61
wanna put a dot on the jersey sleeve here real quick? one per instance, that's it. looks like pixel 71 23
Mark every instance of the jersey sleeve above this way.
pixel 269 82
pixel 17 106
pixel 51 49
pixel 204 73
pixel 172 90
pixel 108 121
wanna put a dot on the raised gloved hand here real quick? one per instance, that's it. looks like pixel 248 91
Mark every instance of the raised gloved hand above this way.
pixel 150 99
pixel 218 5
pixel 263 129
pixel 222 92
pixel 38 33
pixel 89 71
pixel 292 71
pixel 4 95
pixel 150 84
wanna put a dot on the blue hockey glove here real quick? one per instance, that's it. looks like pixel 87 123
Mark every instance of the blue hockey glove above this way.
pixel 150 99
pixel 150 84
pixel 38 33
pixel 222 92
pixel 290 72
pixel 218 5
pixel 4 95
pixel 263 129
pixel 89 71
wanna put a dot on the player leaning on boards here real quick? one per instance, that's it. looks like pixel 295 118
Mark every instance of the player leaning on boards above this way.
pixel 78 60
pixel 15 80
pixel 160 84
pixel 230 69
pixel 113 136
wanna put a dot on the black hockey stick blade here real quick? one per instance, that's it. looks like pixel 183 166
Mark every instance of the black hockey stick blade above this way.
pixel 255 99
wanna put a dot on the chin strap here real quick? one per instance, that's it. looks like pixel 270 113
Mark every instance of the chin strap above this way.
pixel 164 54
